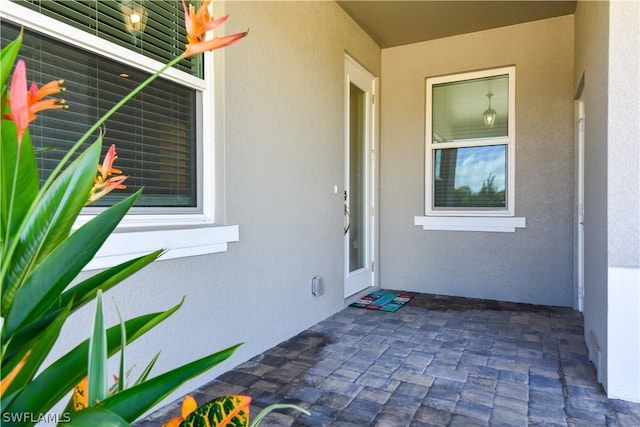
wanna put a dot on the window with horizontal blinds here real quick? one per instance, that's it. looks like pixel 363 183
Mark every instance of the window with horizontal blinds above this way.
pixel 163 38
pixel 155 133
pixel 470 163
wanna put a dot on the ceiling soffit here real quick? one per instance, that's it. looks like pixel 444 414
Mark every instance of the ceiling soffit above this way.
pixel 395 23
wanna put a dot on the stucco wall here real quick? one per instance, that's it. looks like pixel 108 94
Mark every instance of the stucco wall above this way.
pixel 623 160
pixel 531 265
pixel 283 155
pixel 607 38
pixel 623 202
pixel 591 58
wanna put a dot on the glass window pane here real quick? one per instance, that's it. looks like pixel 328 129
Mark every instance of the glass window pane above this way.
pixel 162 38
pixel 357 178
pixel 155 132
pixel 470 177
pixel 458 109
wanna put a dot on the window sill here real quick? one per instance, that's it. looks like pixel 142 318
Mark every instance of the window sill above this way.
pixel 178 243
pixel 487 224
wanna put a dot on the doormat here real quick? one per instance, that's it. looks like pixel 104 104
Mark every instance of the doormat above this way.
pixel 383 301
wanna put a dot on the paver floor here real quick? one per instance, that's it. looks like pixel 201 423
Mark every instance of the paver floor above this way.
pixel 438 361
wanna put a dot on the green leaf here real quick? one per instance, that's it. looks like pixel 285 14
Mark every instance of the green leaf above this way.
pixel 258 419
pixel 58 379
pixel 86 290
pixel 97 370
pixel 21 170
pixel 8 57
pixel 136 400
pixel 42 288
pixel 147 370
pixel 40 348
pixel 123 345
pixel 232 411
pixel 96 416
pixel 78 296
pixel 51 221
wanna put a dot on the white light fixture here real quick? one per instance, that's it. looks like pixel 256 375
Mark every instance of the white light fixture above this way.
pixel 135 17
pixel 489 114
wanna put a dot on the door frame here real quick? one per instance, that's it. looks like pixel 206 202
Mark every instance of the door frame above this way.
pixel 579 228
pixel 353 70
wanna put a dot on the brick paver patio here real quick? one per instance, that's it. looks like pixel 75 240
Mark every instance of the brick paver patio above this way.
pixel 438 361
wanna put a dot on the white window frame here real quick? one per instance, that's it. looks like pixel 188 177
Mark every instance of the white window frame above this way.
pixel 180 234
pixel 487 219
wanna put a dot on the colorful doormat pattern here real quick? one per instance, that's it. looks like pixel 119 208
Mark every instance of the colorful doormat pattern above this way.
pixel 383 301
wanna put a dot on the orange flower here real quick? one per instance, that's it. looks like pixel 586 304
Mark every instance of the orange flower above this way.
pixel 104 183
pixel 36 104
pixel 198 23
pixel 189 405
pixel 25 104
pixel 19 102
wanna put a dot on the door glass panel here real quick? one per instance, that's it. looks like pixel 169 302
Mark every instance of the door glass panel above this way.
pixel 357 168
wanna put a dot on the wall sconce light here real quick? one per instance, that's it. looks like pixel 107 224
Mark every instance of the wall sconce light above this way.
pixel 135 17
pixel 489 114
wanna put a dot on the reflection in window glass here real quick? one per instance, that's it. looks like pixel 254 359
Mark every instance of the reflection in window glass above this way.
pixel 458 107
pixel 470 177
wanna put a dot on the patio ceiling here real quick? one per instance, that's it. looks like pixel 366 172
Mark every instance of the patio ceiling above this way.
pixel 397 22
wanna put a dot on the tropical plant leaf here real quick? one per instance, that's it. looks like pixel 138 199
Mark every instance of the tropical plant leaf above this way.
pixel 79 397
pixel 8 57
pixel 231 411
pixel 147 370
pixel 8 378
pixel 96 416
pixel 123 346
pixel 189 405
pixel 21 170
pixel 52 384
pixel 262 414
pixel 51 220
pixel 78 296
pixel 42 288
pixel 39 350
pixel 85 291
pixel 97 369
pixel 134 401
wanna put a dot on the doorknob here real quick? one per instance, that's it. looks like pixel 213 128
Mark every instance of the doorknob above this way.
pixel 348 217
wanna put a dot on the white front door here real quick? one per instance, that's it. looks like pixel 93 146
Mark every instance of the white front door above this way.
pixel 359 203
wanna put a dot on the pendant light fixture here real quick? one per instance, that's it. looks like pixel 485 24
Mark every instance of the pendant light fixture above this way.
pixel 489 114
pixel 135 16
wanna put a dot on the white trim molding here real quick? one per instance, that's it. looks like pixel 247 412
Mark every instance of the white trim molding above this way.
pixel 177 243
pixel 508 141
pixel 623 334
pixel 453 223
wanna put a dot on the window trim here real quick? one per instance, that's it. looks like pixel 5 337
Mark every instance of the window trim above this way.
pixel 176 233
pixel 484 220
pixel 509 141
pixel 488 224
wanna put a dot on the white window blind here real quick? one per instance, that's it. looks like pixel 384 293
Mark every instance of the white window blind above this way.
pixel 156 133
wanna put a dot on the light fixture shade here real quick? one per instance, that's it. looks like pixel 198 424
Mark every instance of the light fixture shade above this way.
pixel 489 116
pixel 135 17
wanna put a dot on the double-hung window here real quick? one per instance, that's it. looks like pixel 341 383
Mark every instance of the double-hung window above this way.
pixel 470 151
pixel 164 135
